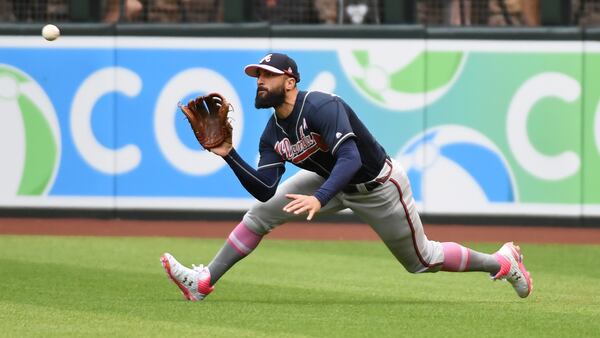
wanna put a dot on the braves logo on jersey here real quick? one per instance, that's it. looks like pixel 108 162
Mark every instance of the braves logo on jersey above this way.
pixel 301 150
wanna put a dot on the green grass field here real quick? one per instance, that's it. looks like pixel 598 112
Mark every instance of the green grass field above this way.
pixel 97 286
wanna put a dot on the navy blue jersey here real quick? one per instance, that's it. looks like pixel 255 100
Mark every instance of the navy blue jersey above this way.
pixel 311 134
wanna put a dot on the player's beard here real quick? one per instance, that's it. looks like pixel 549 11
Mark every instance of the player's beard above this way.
pixel 274 98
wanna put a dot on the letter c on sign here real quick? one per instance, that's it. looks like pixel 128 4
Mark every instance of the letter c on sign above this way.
pixel 196 80
pixel 536 88
pixel 100 83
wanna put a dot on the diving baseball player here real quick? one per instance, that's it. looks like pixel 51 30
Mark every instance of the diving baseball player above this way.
pixel 343 166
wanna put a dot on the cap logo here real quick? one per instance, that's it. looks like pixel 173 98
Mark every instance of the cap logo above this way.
pixel 267 58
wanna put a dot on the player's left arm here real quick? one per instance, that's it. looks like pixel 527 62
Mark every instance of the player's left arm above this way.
pixel 337 133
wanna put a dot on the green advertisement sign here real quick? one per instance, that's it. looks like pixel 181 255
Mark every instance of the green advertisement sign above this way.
pixel 488 126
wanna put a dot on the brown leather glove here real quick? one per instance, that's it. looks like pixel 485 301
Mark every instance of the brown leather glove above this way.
pixel 208 117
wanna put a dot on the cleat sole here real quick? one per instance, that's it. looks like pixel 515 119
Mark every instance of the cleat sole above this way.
pixel 186 293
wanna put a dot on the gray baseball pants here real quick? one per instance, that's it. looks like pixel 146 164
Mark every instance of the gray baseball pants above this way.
pixel 389 209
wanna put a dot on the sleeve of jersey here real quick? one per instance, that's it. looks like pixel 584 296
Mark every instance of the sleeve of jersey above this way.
pixel 347 163
pixel 261 183
pixel 332 123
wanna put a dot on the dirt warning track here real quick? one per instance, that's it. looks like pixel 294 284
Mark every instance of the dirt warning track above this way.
pixel 299 231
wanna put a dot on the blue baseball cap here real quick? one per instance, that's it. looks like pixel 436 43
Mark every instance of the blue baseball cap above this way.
pixel 275 63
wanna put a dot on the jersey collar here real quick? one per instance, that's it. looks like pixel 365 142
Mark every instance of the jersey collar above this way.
pixel 291 119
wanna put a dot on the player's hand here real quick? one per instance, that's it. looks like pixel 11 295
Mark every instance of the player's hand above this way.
pixel 301 204
pixel 222 150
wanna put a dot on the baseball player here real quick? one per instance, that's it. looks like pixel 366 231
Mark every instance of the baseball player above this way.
pixel 343 166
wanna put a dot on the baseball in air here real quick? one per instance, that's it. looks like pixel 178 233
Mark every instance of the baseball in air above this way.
pixel 50 32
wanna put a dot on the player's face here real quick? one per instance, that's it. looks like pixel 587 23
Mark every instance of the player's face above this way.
pixel 270 89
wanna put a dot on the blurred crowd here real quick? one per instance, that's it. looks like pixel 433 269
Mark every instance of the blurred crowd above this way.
pixel 427 12
pixel 474 12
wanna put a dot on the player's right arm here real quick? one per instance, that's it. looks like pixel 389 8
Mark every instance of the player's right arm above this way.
pixel 262 182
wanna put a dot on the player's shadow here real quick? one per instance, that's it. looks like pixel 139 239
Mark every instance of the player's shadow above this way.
pixel 352 302
pixel 254 293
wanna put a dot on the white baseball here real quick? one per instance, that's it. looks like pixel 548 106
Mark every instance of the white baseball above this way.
pixel 50 32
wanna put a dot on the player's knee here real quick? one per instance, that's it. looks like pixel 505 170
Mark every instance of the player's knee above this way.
pixel 264 217
pixel 255 225
pixel 419 267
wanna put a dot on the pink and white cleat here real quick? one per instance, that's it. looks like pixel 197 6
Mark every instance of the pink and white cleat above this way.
pixel 194 283
pixel 512 269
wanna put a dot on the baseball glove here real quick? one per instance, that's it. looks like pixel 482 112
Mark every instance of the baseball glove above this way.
pixel 208 117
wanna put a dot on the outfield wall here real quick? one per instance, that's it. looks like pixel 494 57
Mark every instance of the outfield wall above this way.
pixel 494 123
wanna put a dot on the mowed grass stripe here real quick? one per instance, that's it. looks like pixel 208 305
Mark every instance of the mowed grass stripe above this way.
pixel 98 286
pixel 35 320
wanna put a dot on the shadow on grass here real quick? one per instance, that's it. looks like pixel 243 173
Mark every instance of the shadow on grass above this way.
pixel 266 294
pixel 93 289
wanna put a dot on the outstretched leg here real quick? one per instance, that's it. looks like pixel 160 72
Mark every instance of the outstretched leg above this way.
pixel 197 283
pixel 261 219
pixel 391 211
